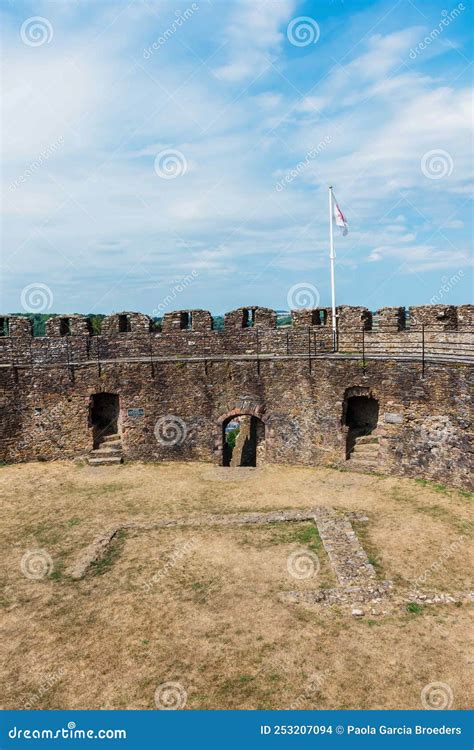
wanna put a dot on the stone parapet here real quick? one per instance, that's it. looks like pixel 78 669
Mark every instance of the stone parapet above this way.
pixel 16 326
pixel 354 317
pixel 126 322
pixel 434 316
pixel 250 317
pixel 391 318
pixel 133 335
pixel 465 315
pixel 315 316
pixel 187 320
pixel 68 325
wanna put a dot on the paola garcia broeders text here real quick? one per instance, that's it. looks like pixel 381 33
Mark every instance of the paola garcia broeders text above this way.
pixel 350 729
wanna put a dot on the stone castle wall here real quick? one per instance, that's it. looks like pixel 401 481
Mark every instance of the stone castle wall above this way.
pixel 200 377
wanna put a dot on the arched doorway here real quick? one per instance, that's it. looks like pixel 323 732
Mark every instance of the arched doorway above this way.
pixel 104 416
pixel 360 417
pixel 243 440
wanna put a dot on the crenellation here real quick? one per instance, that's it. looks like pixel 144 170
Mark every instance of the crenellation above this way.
pixel 354 317
pixel 68 325
pixel 465 315
pixel 434 316
pixel 314 316
pixel 250 317
pixel 198 321
pixel 391 319
pixel 18 326
pixel 125 323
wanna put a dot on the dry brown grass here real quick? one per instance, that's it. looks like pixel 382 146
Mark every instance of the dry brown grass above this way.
pixel 212 620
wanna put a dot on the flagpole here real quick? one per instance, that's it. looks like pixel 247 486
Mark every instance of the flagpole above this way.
pixel 331 258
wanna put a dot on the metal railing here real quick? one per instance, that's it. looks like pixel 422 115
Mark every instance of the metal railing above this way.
pixel 423 344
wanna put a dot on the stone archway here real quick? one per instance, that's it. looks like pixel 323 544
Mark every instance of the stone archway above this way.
pixel 243 441
pixel 242 438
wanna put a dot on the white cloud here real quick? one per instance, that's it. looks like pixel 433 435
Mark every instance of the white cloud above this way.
pixel 253 34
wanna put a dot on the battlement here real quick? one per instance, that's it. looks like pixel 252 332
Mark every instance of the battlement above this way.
pixel 434 330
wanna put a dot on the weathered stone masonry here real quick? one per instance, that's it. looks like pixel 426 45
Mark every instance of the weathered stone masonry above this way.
pixel 287 377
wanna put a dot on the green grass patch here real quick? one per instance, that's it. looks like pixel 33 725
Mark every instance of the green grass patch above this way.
pixel 44 533
pixel 304 534
pixel 414 608
pixel 436 486
pixel 58 570
pixel 74 521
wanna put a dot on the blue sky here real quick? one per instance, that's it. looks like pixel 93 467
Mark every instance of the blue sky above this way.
pixel 148 142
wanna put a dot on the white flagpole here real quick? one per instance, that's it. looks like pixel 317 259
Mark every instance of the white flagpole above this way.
pixel 331 258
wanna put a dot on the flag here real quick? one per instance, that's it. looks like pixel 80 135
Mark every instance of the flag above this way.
pixel 339 217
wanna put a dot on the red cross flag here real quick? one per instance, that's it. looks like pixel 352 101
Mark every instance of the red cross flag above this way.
pixel 339 217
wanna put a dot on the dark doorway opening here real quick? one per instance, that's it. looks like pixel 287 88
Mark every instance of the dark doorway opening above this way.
pixel 361 416
pixel 104 415
pixel 243 441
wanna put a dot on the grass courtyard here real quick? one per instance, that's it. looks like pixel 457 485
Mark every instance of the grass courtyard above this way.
pixel 201 607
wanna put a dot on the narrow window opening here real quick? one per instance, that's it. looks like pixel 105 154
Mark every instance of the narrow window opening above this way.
pixel 65 327
pixel 186 321
pixel 4 327
pixel 248 318
pixel 124 324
